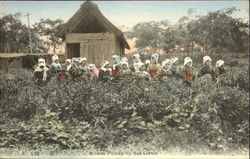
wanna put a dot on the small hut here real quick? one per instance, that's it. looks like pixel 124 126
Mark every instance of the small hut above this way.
pixel 89 34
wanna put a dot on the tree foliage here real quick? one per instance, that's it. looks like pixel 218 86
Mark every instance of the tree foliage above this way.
pixel 217 31
pixel 48 29
pixel 220 31
pixel 15 36
pixel 148 34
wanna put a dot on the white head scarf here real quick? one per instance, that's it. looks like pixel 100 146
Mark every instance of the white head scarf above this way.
pixel 54 58
pixel 73 60
pixel 173 60
pixel 83 59
pixel 68 60
pixel 206 59
pixel 136 58
pixel 104 63
pixel 124 63
pixel 136 62
pixel 155 56
pixel 187 60
pixel 77 60
pixel 219 63
pixel 116 58
pixel 124 59
pixel 91 66
pixel 166 61
pixel 142 73
pixel 41 62
pixel 140 65
pixel 70 64
pixel 147 62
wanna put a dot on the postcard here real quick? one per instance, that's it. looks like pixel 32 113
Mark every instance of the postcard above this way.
pixel 124 79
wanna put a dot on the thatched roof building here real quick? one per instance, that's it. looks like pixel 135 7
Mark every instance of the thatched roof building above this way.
pixel 90 34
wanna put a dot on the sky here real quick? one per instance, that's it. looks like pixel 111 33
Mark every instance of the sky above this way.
pixel 127 13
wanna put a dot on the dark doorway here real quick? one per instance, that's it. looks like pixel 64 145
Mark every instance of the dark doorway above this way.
pixel 73 50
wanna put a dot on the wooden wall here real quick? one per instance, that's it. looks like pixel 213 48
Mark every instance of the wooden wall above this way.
pixel 96 47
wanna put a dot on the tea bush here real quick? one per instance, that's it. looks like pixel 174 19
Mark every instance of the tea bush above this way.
pixel 72 115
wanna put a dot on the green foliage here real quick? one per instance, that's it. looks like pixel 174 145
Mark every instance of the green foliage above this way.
pixel 148 34
pixel 212 30
pixel 82 114
pixel 15 36
pixel 236 78
pixel 49 29
pixel 217 31
pixel 44 128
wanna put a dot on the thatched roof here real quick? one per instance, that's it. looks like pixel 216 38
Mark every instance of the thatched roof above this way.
pixel 89 19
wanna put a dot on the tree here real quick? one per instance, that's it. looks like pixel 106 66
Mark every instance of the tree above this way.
pixel 219 31
pixel 15 36
pixel 167 37
pixel 47 29
pixel 147 35
pixel 184 28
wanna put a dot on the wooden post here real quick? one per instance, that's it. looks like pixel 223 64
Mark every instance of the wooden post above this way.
pixel 66 51
pixel 6 65
pixel 192 49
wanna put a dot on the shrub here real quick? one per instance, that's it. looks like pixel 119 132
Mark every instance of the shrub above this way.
pixel 81 114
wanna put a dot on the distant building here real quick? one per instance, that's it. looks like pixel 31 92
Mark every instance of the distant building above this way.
pixel 89 34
